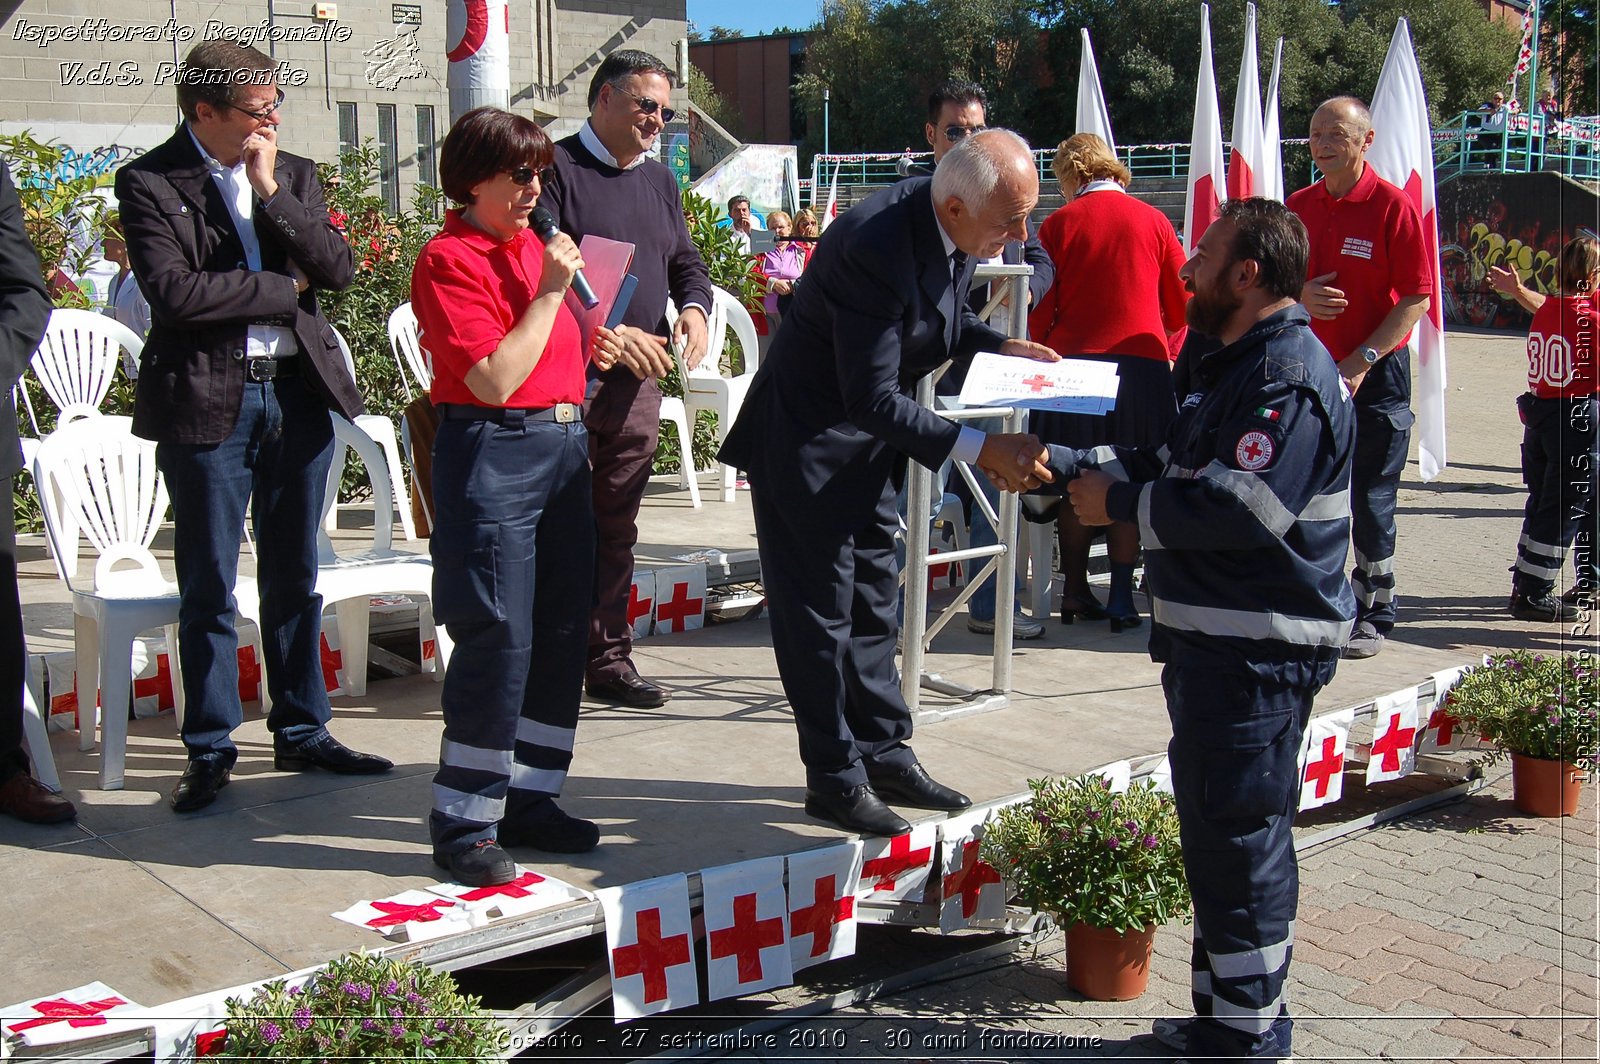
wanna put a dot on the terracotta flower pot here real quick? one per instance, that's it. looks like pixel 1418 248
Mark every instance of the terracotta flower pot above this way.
pixel 1545 788
pixel 1106 965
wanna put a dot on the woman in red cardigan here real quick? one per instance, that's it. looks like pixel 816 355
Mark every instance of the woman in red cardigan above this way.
pixel 1117 298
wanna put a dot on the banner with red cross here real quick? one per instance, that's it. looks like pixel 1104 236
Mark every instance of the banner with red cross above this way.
pixel 195 1026
pixel 897 869
pixel 642 602
pixel 90 1011
pixel 413 916
pixel 822 903
pixel 649 941
pixel 1394 737
pixel 970 887
pixel 528 892
pixel 680 598
pixel 746 916
pixel 1322 759
pixel 1442 731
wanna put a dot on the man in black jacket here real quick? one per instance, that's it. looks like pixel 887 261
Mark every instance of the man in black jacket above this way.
pixel 24 312
pixel 228 236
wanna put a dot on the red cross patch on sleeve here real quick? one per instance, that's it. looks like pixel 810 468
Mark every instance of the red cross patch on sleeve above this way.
pixel 1254 451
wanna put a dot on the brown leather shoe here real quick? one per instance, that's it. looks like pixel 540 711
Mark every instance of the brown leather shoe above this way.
pixel 27 799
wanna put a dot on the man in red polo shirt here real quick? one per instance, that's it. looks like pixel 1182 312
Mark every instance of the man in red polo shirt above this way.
pixel 1370 283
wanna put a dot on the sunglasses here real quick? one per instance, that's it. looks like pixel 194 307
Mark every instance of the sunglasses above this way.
pixel 650 107
pixel 524 175
pixel 262 116
pixel 955 133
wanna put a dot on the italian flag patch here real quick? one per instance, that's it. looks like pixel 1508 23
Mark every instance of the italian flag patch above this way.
pixel 1267 412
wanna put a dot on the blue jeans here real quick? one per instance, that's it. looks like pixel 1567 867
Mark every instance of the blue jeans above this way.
pixel 276 459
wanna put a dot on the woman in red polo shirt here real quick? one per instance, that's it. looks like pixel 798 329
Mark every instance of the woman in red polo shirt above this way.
pixel 1116 298
pixel 513 541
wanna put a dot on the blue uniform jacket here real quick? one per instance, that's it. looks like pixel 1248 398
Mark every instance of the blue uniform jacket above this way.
pixel 1244 514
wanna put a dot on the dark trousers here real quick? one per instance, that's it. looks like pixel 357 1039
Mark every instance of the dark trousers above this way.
pixel 623 416
pixel 513 581
pixel 13 651
pixel 1559 462
pixel 832 597
pixel 1374 486
pixel 1235 751
pixel 276 460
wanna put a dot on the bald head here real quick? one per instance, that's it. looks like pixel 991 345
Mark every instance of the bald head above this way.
pixel 1341 133
pixel 984 189
pixel 1347 108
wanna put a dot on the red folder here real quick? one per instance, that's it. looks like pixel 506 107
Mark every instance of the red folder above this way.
pixel 605 265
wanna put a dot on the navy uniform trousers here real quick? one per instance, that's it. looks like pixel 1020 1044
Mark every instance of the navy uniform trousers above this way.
pixel 1559 465
pixel 513 583
pixel 1380 458
pixel 1235 750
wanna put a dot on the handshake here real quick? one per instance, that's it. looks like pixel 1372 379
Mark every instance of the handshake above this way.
pixel 1014 461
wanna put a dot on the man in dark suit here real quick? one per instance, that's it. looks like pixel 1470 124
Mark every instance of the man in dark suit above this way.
pixel 228 236
pixel 824 435
pixel 24 312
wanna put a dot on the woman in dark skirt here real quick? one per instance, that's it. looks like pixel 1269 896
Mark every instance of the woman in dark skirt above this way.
pixel 1117 298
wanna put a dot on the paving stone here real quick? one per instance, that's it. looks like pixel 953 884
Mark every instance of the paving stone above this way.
pixel 1512 970
pixel 1388 991
pixel 1493 1038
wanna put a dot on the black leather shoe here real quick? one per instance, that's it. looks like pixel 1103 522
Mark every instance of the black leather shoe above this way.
pixel 199 784
pixel 553 832
pixel 858 809
pixel 327 753
pixel 629 689
pixel 485 865
pixel 914 787
pixel 1545 607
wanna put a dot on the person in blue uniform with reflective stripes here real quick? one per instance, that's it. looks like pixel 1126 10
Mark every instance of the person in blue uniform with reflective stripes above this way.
pixel 1244 517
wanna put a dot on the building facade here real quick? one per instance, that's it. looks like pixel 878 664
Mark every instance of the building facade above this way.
pixel 99 77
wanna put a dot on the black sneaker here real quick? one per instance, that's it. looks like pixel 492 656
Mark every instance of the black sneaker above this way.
pixel 485 865
pixel 1365 641
pixel 1579 597
pixel 1542 607
pixel 556 831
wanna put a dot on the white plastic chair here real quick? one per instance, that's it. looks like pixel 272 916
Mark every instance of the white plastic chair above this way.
pixel 676 414
pixel 407 347
pixel 351 580
pixel 97 471
pixel 36 736
pixel 382 431
pixel 704 387
pixel 77 359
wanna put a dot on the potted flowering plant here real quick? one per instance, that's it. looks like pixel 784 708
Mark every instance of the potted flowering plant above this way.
pixel 362 1006
pixel 1543 710
pixel 1106 863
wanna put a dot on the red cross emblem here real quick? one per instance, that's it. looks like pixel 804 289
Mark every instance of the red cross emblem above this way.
pixel 900 859
pixel 429 649
pixel 1394 740
pixel 638 607
pixel 332 660
pixel 676 610
pixel 1037 383
pixel 398 913
pixel 211 1043
pixel 1254 451
pixel 970 879
pixel 746 938
pixel 1445 724
pixel 818 918
pixel 517 888
pixel 1329 765
pixel 72 1013
pixel 249 674
pixel 651 955
pixel 159 685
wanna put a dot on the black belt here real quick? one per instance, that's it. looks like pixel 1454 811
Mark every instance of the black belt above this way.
pixel 262 370
pixel 562 413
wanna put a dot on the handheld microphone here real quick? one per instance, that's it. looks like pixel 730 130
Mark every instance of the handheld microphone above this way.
pixel 544 223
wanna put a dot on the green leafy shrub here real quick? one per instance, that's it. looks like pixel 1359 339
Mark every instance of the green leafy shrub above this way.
pixel 1537 705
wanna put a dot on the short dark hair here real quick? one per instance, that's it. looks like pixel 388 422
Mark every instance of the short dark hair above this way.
pixel 620 64
pixel 956 91
pixel 488 141
pixel 1274 237
pixel 215 71
pixel 736 200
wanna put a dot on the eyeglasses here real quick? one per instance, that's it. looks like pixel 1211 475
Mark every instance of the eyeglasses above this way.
pixel 524 175
pixel 649 106
pixel 262 116
pixel 955 133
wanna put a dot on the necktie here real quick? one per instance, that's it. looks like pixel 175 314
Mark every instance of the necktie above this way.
pixel 958 262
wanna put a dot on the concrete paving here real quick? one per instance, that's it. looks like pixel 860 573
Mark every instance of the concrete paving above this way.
pixel 158 906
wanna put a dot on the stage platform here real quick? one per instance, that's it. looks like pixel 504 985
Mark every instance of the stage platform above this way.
pixel 161 907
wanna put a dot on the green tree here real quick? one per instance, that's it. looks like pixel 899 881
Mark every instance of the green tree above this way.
pixel 1570 48
pixel 704 95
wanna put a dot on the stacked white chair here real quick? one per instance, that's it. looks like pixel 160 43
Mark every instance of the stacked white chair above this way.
pixel 704 386
pixel 382 431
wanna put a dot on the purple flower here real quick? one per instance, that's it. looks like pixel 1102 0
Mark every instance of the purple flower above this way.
pixel 429 1042
pixel 271 1033
pixel 350 988
pixel 1094 814
pixel 1113 842
pixel 1538 657
pixel 1515 665
pixel 369 1024
pixel 391 987
pixel 295 991
pixel 397 1031
pixel 413 997
pixel 1151 842
pixel 395 1013
pixel 302 1017
pixel 1553 719
pixel 1131 825
pixel 365 992
pixel 440 1025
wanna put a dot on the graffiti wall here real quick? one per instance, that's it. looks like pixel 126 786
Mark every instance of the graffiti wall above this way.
pixel 1518 220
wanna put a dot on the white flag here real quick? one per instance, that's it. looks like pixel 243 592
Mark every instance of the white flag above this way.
pixel 1271 185
pixel 1245 162
pixel 1322 762
pixel 1205 188
pixel 650 939
pixel 746 915
pixel 1092 114
pixel 1394 737
pixel 970 888
pixel 1402 153
pixel 831 211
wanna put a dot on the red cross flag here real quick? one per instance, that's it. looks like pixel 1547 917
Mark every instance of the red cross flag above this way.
pixel 332 662
pixel 822 903
pixel 680 598
pixel 1247 161
pixel 1322 759
pixel 747 928
pixel 642 602
pixel 1442 731
pixel 528 892
pixel 1394 737
pixel 152 679
pixel 970 888
pixel 1206 182
pixel 89 1011
pixel 649 942
pixel 897 869
pixel 413 916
